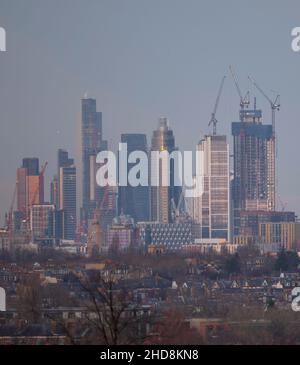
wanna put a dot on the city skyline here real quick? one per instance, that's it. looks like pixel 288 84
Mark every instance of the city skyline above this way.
pixel 149 175
pixel 185 97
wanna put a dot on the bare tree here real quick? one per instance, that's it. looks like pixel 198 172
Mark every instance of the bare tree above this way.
pixel 30 300
pixel 113 316
pixel 173 329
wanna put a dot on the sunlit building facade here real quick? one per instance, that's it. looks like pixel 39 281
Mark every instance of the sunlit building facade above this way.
pixel 212 208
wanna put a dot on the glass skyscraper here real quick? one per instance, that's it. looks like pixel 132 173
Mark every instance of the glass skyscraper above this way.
pixel 67 200
pixel 134 201
pixel 161 196
pixel 92 144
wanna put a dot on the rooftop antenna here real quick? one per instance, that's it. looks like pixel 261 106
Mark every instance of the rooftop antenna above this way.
pixel 213 119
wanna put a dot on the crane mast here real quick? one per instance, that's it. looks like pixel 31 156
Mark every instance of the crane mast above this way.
pixel 213 119
pixel 275 105
pixel 244 101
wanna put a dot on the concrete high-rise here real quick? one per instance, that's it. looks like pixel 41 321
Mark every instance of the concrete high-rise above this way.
pixel 254 165
pixel 161 196
pixel 134 201
pixel 212 208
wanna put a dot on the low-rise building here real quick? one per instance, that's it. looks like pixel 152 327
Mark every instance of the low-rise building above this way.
pixel 171 235
pixel 286 234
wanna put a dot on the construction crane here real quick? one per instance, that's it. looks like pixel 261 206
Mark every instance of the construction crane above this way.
pixel 283 204
pixel 244 101
pixel 275 105
pixel 213 119
pixel 179 212
pixel 95 233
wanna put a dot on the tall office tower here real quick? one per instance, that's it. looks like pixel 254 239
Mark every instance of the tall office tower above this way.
pixel 212 208
pixel 92 144
pixel 254 165
pixel 63 160
pixel 134 201
pixel 30 185
pixel 161 196
pixel 67 200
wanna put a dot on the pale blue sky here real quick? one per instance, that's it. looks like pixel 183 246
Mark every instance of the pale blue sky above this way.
pixel 142 59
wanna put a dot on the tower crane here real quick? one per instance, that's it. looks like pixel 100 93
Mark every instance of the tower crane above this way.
pixel 95 233
pixel 244 101
pixel 213 119
pixel 275 105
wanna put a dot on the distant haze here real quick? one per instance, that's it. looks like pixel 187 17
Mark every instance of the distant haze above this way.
pixel 142 59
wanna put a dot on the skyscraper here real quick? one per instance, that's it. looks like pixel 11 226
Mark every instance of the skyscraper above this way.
pixel 212 208
pixel 21 190
pixel 134 201
pixel 67 200
pixel 254 165
pixel 32 165
pixel 92 144
pixel 161 196
pixel 63 160
pixel 30 185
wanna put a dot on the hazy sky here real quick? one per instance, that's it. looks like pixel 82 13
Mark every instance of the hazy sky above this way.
pixel 142 59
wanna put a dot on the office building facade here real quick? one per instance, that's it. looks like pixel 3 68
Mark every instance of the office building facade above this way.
pixel 91 143
pixel 134 201
pixel 212 207
pixel 161 196
pixel 67 200
pixel 285 234
pixel 42 224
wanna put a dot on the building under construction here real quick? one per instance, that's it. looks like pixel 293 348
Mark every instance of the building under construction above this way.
pixel 254 165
